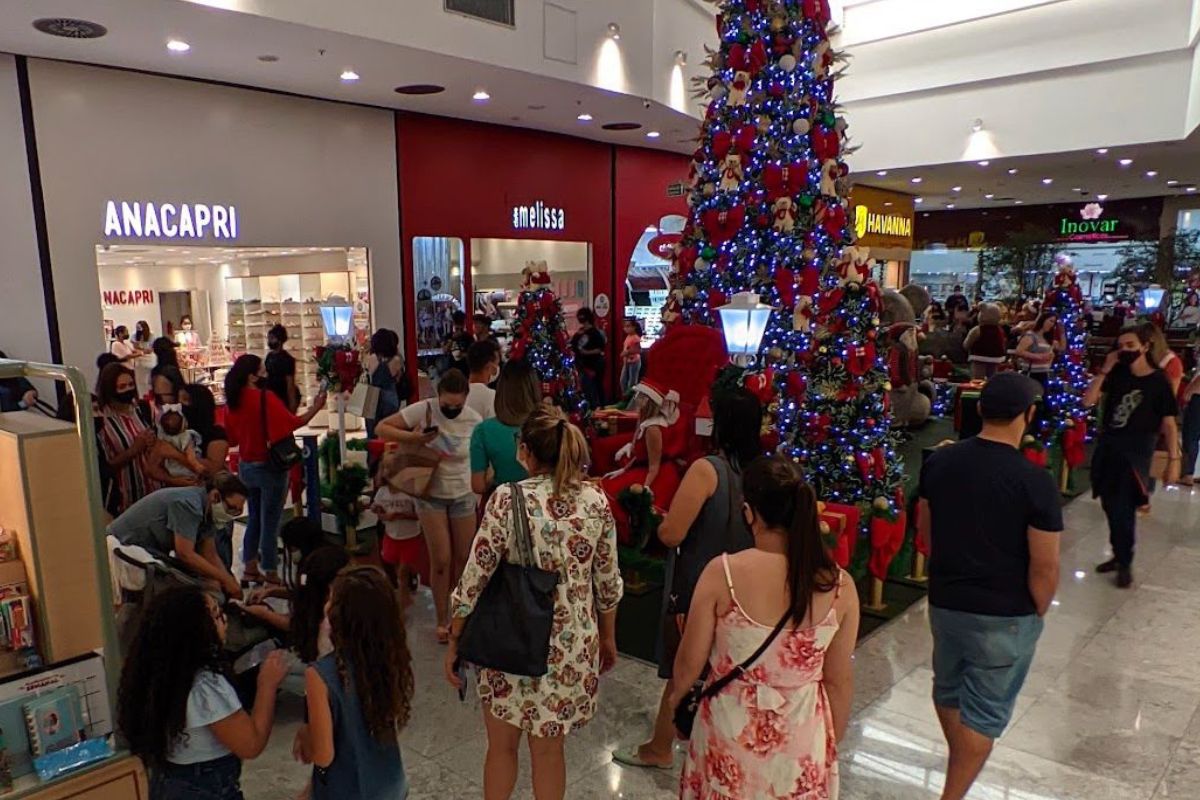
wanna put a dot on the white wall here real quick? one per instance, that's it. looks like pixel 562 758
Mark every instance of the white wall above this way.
pixel 23 329
pixel 300 172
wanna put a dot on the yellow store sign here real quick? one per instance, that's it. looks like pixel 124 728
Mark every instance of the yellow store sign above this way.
pixel 882 219
pixel 866 222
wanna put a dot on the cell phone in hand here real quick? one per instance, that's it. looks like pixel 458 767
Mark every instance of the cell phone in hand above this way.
pixel 431 429
pixel 460 670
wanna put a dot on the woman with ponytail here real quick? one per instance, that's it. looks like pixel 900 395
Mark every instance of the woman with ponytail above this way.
pixel 773 731
pixel 572 531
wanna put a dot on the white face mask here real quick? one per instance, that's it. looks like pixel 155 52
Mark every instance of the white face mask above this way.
pixel 221 515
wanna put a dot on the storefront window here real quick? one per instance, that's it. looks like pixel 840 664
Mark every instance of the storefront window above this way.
pixel 438 283
pixel 648 281
pixel 496 276
pixel 218 303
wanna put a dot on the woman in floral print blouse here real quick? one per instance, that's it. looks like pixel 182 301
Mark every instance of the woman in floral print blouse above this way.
pixel 573 532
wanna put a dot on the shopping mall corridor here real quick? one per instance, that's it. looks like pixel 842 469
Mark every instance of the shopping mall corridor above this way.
pixel 1111 710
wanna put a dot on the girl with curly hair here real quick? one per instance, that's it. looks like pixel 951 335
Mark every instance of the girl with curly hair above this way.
pixel 359 696
pixel 177 708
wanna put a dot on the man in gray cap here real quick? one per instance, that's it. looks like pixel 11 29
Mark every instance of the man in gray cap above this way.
pixel 992 521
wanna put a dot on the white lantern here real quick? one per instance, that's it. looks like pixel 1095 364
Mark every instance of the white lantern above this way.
pixel 744 322
pixel 337 314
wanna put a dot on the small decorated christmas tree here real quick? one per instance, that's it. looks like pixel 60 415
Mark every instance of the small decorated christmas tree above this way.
pixel 1064 420
pixel 541 339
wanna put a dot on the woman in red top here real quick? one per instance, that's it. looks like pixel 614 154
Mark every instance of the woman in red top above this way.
pixel 248 406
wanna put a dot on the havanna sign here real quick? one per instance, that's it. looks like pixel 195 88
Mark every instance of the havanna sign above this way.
pixel 882 219
pixel 867 222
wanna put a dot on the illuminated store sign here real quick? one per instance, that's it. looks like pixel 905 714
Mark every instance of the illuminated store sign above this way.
pixel 133 220
pixel 1090 227
pixel 128 297
pixel 866 223
pixel 539 216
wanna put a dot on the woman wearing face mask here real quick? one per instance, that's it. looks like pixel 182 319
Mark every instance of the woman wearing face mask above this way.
pixel 126 434
pixel 200 410
pixel 385 369
pixel 142 336
pixel 444 423
pixel 248 406
pixel 166 379
pixel 187 336
pixel 281 369
pixel 121 347
pixel 1138 406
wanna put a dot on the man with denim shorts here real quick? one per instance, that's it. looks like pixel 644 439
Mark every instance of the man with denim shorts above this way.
pixel 992 521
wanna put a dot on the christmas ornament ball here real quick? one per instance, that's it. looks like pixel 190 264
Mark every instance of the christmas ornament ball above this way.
pixel 801 127
pixel 881 503
pixel 776 353
pixel 788 63
pixel 719 92
pixel 702 265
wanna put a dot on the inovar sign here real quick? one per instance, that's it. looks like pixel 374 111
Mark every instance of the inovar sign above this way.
pixel 136 220
pixel 1090 227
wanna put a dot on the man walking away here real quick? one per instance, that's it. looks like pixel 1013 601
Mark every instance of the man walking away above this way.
pixel 992 520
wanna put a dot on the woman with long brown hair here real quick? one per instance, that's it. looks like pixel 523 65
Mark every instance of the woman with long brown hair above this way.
pixel 126 435
pixel 574 535
pixel 360 695
pixel 774 730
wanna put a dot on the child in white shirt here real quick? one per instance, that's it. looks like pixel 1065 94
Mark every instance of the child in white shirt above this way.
pixel 400 545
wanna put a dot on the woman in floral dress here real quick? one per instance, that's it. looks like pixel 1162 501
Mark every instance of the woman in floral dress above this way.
pixel 573 533
pixel 772 733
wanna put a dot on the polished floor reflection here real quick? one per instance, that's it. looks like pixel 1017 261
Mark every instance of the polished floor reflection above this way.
pixel 1110 710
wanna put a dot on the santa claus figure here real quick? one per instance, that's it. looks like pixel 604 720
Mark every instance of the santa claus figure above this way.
pixel 785 215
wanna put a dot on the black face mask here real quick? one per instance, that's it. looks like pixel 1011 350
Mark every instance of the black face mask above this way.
pixel 127 397
pixel 449 412
pixel 1127 357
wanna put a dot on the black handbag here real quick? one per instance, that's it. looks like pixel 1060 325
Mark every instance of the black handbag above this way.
pixel 510 627
pixel 285 453
pixel 685 712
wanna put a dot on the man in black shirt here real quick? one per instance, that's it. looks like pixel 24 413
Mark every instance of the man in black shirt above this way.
pixel 1138 406
pixel 992 521
pixel 588 344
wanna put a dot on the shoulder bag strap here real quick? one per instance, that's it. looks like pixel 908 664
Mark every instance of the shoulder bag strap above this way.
pixel 520 516
pixel 717 686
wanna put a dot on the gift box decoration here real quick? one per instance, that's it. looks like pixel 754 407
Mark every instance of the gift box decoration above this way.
pixel 839 525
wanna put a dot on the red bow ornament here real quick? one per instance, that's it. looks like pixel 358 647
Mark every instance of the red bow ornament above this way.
pixel 826 142
pixel 879 462
pixel 860 359
pixel 864 465
pixel 785 284
pixel 810 279
pixel 817 11
pixel 748 59
pixel 785 180
pixel 762 386
pixel 832 219
pixel 797 385
pixel 722 226
pixel 686 259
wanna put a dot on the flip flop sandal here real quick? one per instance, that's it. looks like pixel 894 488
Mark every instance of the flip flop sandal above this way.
pixel 628 756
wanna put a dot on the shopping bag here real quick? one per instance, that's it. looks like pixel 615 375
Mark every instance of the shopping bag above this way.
pixel 364 400
pixel 410 468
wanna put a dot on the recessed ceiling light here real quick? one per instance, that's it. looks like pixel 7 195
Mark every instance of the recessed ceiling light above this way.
pixel 621 126
pixel 349 75
pixel 887 204
pixel 1172 182
pixel 1103 151
pixel 1191 188
pixel 481 96
pixel 1018 202
pixel 918 200
pixel 1047 181
pixel 1013 171
pixel 983 163
pixel 653 134
pixel 949 205
pixel 917 179
pixel 537 107
pixel 614 31
pixel 1152 173
pixel 988 196
pixel 881 173
pixel 1125 162
pixel 1076 189
pixel 268 58
pixel 1101 197
pixel 178 46
pixel 585 117
pixel 956 188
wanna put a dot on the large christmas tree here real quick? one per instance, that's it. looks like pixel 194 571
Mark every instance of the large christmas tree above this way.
pixel 768 215
pixel 540 337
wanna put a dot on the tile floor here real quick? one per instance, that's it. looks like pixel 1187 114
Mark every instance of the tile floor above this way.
pixel 1111 709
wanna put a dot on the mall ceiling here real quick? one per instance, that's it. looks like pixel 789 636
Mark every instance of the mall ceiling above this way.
pixel 1164 168
pixel 249 50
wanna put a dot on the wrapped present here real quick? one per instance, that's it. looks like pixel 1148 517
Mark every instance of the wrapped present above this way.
pixel 887 537
pixel 839 523
pixel 943 368
pixel 611 421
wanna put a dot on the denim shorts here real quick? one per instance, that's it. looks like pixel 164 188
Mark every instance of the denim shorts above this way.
pixel 208 780
pixel 980 663
pixel 453 507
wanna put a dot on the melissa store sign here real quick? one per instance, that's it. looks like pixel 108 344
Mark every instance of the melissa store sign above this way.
pixel 539 217
pixel 125 219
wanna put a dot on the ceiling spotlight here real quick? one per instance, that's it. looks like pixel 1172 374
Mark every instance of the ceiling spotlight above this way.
pixel 1047 181
pixel 1076 189
pixel 983 163
pixel 1101 197
pixel 949 205
pixel 1103 151
pixel 1018 202
pixel 178 46
pixel 1125 162
pixel 881 173
pixel 918 179
pixel 977 125
pixel 988 196
pixel 1152 173
pixel 918 200
pixel 1013 171
pixel 1191 188
pixel 584 117
pixel 956 188
pixel 1172 182
pixel 349 76
pixel 481 96
pixel 653 134
pixel 680 58
pixel 614 31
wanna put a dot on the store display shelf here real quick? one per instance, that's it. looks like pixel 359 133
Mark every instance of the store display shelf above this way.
pixel 31 784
